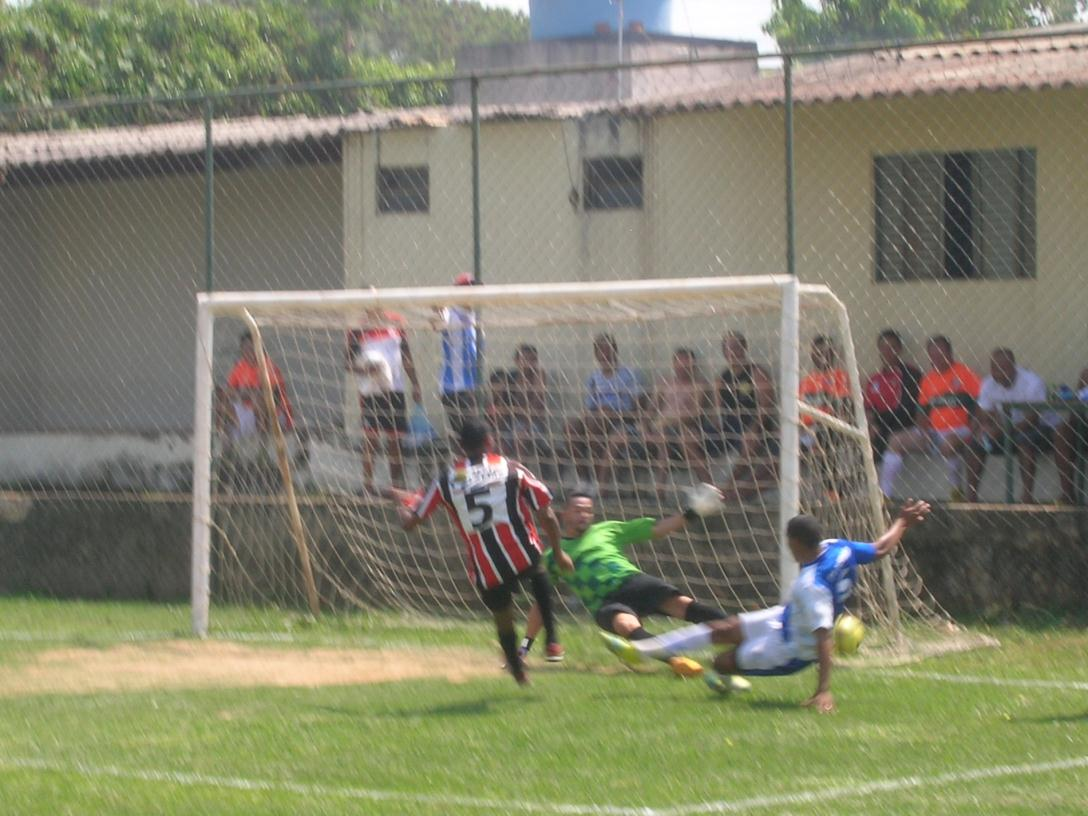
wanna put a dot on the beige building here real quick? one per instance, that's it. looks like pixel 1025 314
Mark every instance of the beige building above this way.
pixel 937 190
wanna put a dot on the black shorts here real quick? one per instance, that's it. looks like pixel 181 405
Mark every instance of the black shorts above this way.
pixel 498 598
pixel 384 412
pixel 640 595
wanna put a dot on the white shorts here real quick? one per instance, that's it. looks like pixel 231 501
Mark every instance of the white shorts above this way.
pixel 763 649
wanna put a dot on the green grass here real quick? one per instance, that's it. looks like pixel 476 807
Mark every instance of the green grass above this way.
pixel 585 734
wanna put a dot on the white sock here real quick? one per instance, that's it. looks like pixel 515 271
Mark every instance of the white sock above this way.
pixel 683 640
pixel 890 466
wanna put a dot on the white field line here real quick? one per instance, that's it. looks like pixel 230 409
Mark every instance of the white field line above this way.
pixel 983 680
pixel 869 788
pixel 441 800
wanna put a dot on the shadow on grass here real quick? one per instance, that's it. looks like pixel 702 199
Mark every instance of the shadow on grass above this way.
pixel 466 708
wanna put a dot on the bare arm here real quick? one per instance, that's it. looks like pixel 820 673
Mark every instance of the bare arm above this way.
pixel 669 525
pixel 822 700
pixel 550 525
pixel 912 513
pixel 765 395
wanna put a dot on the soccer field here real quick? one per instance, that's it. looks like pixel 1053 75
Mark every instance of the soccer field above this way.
pixel 110 708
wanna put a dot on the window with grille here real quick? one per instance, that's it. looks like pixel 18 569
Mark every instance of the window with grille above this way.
pixel 404 189
pixel 612 183
pixel 955 216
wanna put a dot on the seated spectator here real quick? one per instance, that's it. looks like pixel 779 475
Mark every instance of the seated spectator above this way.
pixel 826 387
pixel 614 405
pixel 947 395
pixel 747 406
pixel 500 411
pixel 1031 431
pixel 381 360
pixel 1069 441
pixel 891 394
pixel 684 402
pixel 528 391
pixel 243 410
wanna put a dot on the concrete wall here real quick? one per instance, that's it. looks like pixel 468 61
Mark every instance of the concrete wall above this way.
pixel 976 563
pixel 637 83
pixel 103 275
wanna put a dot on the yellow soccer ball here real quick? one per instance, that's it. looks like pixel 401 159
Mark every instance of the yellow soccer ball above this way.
pixel 849 632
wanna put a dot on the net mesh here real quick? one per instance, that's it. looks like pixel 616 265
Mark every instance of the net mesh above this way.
pixel 633 399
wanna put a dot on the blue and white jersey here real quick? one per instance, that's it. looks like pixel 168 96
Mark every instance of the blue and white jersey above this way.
pixel 459 352
pixel 820 592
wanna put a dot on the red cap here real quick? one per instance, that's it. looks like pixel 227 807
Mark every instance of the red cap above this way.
pixel 464 279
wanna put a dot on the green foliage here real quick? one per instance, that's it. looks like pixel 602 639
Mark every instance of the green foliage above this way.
pixel 59 50
pixel 795 24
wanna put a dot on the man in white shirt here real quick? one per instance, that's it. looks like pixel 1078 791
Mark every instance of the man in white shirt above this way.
pixel 1031 431
pixel 458 378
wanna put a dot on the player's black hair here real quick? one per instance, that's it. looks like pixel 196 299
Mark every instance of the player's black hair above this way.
pixel 525 348
pixel 686 351
pixel 473 437
pixel 806 530
pixel 892 335
pixel 606 340
pixel 577 494
pixel 943 342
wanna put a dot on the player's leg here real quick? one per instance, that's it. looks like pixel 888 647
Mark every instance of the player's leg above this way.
pixel 1065 452
pixel 688 609
pixel 964 460
pixel 398 421
pixel 371 440
pixel 900 443
pixel 500 601
pixel 1028 445
pixel 544 607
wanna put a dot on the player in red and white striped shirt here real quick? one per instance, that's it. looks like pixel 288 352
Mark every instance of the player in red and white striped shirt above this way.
pixel 496 504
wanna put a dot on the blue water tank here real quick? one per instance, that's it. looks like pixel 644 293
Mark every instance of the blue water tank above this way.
pixel 563 19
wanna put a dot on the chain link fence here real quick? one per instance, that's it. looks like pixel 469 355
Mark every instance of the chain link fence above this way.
pixel 937 189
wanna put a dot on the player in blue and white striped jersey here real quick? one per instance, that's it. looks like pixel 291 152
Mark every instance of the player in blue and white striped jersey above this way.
pixel 785 639
pixel 460 359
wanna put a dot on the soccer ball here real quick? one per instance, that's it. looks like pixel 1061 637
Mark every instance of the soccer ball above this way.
pixel 703 499
pixel 849 632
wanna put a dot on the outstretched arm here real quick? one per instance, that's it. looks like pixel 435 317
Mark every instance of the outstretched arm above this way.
pixel 406 501
pixel 699 501
pixel 822 700
pixel 910 514
pixel 549 524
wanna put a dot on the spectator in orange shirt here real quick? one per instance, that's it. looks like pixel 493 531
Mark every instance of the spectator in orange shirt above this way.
pixel 826 387
pixel 245 414
pixel 947 396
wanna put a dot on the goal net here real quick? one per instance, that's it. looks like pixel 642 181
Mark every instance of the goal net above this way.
pixel 631 390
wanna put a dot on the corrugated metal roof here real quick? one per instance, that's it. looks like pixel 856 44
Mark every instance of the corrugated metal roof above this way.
pixel 1059 61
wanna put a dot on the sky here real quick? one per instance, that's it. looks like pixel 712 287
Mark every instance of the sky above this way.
pixel 738 19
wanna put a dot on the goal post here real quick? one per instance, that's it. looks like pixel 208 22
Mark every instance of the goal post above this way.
pixel 248 550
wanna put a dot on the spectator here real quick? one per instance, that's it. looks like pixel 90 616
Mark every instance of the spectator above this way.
pixel 891 394
pixel 245 414
pixel 1032 431
pixel 684 402
pixel 614 404
pixel 747 407
pixel 1068 439
pixel 826 387
pixel 528 390
pixel 460 363
pixel 947 393
pixel 500 411
pixel 381 360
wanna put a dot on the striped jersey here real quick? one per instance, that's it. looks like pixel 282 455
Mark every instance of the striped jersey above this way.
pixel 491 504
pixel 459 340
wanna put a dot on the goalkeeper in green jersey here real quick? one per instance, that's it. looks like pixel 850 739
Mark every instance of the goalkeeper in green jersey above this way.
pixel 616 592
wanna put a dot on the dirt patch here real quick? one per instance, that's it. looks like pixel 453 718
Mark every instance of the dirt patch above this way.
pixel 193 664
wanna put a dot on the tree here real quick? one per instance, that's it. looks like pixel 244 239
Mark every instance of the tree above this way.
pixel 795 24
pixel 60 50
